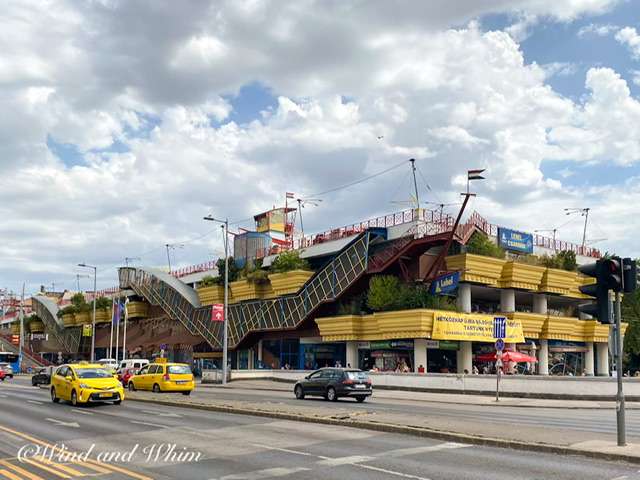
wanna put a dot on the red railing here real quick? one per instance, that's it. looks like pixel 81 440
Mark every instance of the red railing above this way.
pixel 201 267
pixel 27 351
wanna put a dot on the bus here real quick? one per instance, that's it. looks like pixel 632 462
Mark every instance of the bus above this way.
pixel 12 359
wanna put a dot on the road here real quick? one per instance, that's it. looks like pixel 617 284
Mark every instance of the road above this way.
pixel 235 447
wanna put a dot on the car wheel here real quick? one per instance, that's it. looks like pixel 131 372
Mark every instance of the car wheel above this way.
pixel 132 387
pixel 74 398
pixel 187 393
pixel 156 388
pixel 332 396
pixel 54 398
pixel 299 392
pixel 361 398
pixel 118 402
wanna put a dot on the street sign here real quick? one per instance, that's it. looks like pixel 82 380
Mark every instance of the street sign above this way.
pixel 217 312
pixel 87 330
pixel 500 344
pixel 163 346
pixel 499 327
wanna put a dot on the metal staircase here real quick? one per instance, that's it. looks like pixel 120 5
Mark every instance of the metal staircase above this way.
pixel 181 302
pixel 47 310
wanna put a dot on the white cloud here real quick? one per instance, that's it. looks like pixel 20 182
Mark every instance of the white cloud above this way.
pixel 598 29
pixel 629 37
pixel 454 98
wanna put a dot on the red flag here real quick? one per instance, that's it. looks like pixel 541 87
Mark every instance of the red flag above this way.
pixel 290 195
pixel 217 312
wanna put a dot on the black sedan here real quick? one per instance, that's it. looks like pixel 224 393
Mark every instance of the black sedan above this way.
pixel 333 383
pixel 41 377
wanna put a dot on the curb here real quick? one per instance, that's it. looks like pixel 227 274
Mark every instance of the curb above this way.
pixel 454 402
pixel 404 429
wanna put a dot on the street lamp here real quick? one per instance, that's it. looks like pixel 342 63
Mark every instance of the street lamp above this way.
pixel 225 227
pixel 93 322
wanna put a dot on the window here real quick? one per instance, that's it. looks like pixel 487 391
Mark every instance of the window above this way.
pixel 62 371
pixel 93 373
pixel 315 375
pixel 179 369
pixel 143 370
pixel 154 369
pixel 136 365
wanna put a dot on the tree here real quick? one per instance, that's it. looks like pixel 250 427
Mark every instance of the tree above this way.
pixel 288 261
pixel 631 315
pixel 233 270
pixel 384 291
pixel 480 244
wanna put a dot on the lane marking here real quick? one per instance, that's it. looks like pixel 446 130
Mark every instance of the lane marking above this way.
pixel 266 473
pixel 90 463
pixel 148 424
pixel 35 402
pixel 46 468
pixel 391 472
pixel 61 466
pixel 21 471
pixel 9 475
pixel 62 423
pixel 162 414
pixel 336 462
pixel 403 452
pixel 286 450
pixel 77 410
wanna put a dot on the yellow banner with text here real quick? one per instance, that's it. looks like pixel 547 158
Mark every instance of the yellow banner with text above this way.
pixel 473 328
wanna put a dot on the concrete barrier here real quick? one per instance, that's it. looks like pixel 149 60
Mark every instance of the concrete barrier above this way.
pixel 584 388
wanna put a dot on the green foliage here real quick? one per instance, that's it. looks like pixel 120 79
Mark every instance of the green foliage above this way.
pixel 78 300
pixel 352 306
pixel 631 315
pixel 288 261
pixel 564 260
pixel 103 303
pixel 209 281
pixel 258 277
pixel 383 292
pixel 234 271
pixel 69 309
pixel 387 293
pixel 479 244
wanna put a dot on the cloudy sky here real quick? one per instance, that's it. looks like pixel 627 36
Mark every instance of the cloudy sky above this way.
pixel 123 123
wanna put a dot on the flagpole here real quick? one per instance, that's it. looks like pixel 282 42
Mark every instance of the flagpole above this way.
pixel 113 312
pixel 118 332
pixel 124 339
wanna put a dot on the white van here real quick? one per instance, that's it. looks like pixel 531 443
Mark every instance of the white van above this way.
pixel 110 363
pixel 135 363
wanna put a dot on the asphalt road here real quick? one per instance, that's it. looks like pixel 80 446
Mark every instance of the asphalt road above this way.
pixel 578 420
pixel 235 447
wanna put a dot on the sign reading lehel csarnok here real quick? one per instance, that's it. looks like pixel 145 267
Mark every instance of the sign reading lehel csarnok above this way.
pixel 472 327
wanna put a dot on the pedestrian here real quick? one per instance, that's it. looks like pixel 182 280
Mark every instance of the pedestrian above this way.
pixel 348 365
pixel 475 370
pixel 421 369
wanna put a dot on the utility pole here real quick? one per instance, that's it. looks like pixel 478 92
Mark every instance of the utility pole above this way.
pixel 415 183
pixel 622 435
pixel 20 345
pixel 95 295
pixel 130 259
pixel 299 200
pixel 168 257
pixel 585 213
pixel 225 340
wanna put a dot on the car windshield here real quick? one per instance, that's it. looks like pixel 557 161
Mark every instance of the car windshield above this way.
pixel 357 375
pixel 179 369
pixel 93 373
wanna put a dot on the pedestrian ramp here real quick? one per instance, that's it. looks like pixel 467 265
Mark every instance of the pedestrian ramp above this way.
pixel 45 468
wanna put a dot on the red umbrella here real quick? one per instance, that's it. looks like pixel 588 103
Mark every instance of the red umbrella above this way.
pixel 507 356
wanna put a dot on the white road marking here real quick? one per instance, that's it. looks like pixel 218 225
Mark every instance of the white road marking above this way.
pixel 403 452
pixel 163 414
pixel 336 462
pixel 286 450
pixel 266 473
pixel 623 477
pixel 391 472
pixel 77 410
pixel 3 396
pixel 35 402
pixel 148 424
pixel 63 423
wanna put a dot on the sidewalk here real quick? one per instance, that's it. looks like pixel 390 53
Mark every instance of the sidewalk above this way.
pixel 479 431
pixel 448 398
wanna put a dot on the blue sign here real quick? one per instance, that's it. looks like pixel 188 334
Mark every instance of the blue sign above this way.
pixel 499 327
pixel 445 284
pixel 500 344
pixel 515 241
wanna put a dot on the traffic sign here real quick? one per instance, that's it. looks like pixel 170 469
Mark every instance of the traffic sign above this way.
pixel 499 327
pixel 500 344
pixel 217 312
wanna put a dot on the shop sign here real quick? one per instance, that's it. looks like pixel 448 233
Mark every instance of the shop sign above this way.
pixel 389 344
pixel 445 284
pixel 442 345
pixel 40 336
pixel 433 344
pixel 364 345
pixel 515 241
pixel 473 328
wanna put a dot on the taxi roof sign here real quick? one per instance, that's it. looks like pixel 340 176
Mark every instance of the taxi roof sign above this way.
pixel 161 360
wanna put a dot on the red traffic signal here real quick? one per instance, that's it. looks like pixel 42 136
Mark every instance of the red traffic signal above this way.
pixel 601 271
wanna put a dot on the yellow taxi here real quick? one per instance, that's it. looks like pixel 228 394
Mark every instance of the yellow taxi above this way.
pixel 162 376
pixel 84 382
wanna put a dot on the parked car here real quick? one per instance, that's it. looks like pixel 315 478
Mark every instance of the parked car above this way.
pixel 41 377
pixel 7 369
pixel 135 363
pixel 109 363
pixel 333 383
pixel 125 374
pixel 162 376
pixel 2 375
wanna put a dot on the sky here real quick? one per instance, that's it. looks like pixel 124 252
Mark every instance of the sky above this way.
pixel 124 122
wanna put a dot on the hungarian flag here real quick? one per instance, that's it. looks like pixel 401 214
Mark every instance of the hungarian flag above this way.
pixel 290 195
pixel 475 174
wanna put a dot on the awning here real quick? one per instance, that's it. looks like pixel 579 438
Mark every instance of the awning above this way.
pixel 507 356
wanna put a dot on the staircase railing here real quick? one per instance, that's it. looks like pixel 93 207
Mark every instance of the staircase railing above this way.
pixel 181 303
pixel 47 310
pixel 26 351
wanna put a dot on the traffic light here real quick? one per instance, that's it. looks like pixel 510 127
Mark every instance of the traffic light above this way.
pixel 629 275
pixel 601 309
pixel 611 274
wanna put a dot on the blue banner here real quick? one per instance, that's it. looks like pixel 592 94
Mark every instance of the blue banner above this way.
pixel 515 241
pixel 446 284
